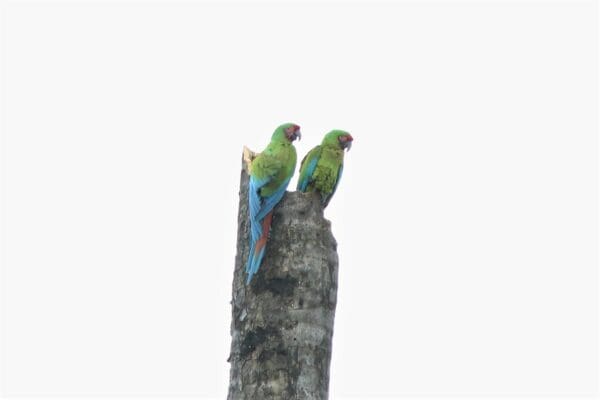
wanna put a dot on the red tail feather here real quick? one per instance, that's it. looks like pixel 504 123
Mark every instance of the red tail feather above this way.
pixel 262 241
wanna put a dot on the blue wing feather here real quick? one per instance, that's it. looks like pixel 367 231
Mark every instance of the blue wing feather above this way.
pixel 259 207
pixel 310 170
pixel 271 201
pixel 337 181
pixel 255 203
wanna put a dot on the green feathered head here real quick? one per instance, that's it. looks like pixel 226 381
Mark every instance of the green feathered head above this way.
pixel 338 138
pixel 289 132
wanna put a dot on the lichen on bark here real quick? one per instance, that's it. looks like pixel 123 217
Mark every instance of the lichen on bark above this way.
pixel 282 322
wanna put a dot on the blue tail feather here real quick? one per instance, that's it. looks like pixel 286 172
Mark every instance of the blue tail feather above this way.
pixel 258 208
pixel 254 261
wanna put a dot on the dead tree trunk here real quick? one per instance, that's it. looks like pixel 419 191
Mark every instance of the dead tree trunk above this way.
pixel 282 323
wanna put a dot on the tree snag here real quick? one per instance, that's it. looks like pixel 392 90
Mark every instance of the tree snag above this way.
pixel 282 322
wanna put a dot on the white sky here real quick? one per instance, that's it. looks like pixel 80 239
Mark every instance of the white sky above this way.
pixel 466 217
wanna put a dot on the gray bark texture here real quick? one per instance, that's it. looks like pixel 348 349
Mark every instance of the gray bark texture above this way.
pixel 282 322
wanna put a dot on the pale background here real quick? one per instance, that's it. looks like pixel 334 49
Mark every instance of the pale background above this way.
pixel 466 217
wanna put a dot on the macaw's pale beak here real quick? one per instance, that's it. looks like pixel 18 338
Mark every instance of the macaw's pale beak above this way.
pixel 293 132
pixel 348 142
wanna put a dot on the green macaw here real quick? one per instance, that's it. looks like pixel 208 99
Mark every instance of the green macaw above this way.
pixel 321 169
pixel 270 174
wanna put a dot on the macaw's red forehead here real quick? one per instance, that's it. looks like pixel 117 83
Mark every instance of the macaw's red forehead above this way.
pixel 292 132
pixel 293 128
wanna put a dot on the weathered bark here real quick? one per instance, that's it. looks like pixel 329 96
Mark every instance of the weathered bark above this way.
pixel 282 323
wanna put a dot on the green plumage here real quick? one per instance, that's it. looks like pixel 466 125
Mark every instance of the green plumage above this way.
pixel 270 174
pixel 276 162
pixel 324 176
pixel 322 167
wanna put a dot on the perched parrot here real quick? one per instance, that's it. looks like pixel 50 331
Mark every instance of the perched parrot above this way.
pixel 321 169
pixel 270 174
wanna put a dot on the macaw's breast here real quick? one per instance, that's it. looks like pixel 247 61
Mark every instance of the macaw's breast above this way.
pixel 280 160
pixel 326 172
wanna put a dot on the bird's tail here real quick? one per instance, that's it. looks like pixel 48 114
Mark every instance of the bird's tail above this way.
pixel 257 247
